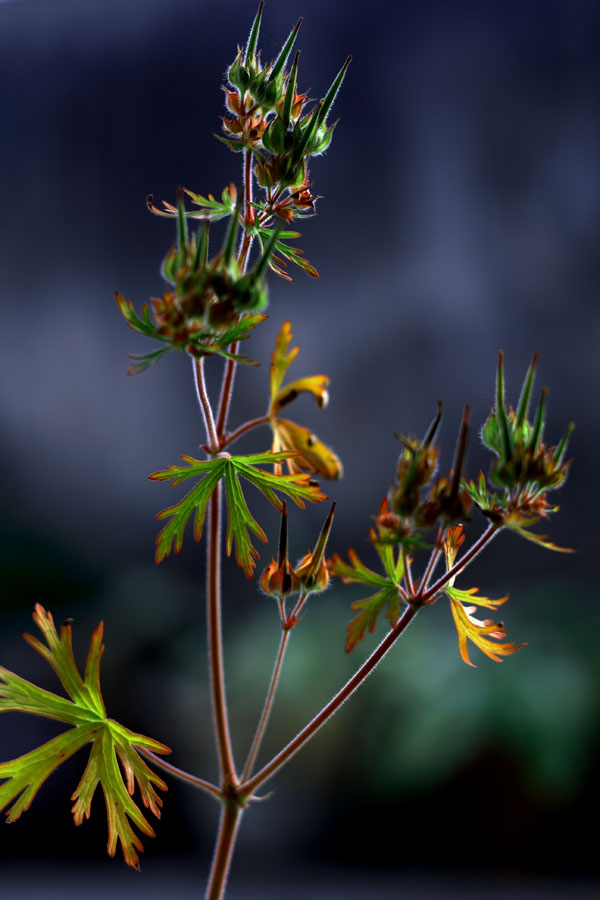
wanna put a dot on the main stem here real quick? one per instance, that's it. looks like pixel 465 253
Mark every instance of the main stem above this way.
pixel 215 640
pixel 230 366
pixel 228 827
pixel 230 816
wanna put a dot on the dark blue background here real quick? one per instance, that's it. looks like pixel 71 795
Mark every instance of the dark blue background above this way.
pixel 460 214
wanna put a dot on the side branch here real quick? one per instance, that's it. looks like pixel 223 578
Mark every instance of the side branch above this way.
pixel 249 787
pixel 247 426
pixel 180 773
pixel 264 719
pixel 458 566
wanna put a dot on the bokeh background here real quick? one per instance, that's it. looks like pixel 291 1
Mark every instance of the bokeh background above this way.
pixel 460 214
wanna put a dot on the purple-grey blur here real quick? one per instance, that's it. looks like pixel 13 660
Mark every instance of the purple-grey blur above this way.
pixel 460 214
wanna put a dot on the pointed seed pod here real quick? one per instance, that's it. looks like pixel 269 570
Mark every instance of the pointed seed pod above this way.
pixel 284 52
pixel 526 392
pixel 250 56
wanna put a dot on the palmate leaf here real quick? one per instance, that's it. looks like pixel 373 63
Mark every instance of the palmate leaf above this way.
pixel 209 207
pixel 386 596
pixel 486 635
pixel 111 742
pixel 310 454
pixel 521 524
pixel 240 520
pixel 286 253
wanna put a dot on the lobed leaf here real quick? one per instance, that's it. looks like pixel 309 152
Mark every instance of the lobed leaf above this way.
pixel 471 596
pixel 240 521
pixel 521 526
pixel 386 597
pixel 370 608
pixel 23 777
pixel 486 635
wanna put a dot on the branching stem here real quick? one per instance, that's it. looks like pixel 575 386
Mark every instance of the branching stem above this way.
pixel 180 773
pixel 264 719
pixel 253 423
pixel 247 788
pixel 458 566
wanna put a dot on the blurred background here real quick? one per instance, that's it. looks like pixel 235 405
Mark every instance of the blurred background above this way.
pixel 459 214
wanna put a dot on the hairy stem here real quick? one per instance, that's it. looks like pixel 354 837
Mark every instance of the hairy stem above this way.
pixel 204 402
pixel 253 423
pixel 264 719
pixel 215 640
pixel 180 773
pixel 230 366
pixel 458 566
pixel 228 826
pixel 433 561
pixel 407 573
pixel 247 788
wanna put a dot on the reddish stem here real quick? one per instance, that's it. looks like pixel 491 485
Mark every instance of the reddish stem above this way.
pixel 230 367
pixel 249 787
pixel 228 827
pixel 180 773
pixel 253 423
pixel 266 713
pixel 215 640
pixel 458 566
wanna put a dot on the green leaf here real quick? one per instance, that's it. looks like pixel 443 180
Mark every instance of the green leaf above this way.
pixel 386 597
pixel 297 487
pixel 145 360
pixel 215 209
pixel 291 254
pixel 85 711
pixel 520 525
pixel 144 325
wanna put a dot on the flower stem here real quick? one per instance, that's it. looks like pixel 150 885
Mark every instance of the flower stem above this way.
pixel 264 719
pixel 458 566
pixel 247 788
pixel 180 773
pixel 228 826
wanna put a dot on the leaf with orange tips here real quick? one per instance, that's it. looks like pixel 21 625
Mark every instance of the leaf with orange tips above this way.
pixel 111 742
pixel 484 634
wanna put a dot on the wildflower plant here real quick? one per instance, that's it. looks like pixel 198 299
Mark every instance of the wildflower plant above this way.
pixel 212 302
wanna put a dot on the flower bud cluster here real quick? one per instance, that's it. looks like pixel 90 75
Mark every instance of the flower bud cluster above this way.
pixel 269 116
pixel 523 462
pixel 417 500
pixel 207 296
pixel 310 576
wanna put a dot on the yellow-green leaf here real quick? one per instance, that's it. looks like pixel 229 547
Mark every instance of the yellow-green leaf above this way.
pixel 312 454
pixel 111 742
pixel 486 635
